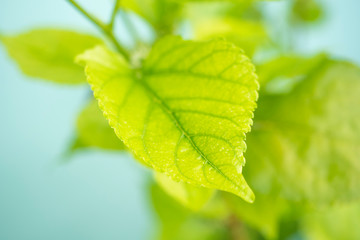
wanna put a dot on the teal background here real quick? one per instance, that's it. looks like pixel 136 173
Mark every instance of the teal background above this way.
pixel 97 195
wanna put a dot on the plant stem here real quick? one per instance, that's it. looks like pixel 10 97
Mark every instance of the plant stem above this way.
pixel 113 14
pixel 104 28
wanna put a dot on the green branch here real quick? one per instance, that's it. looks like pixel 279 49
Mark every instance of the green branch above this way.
pixel 103 27
pixel 113 14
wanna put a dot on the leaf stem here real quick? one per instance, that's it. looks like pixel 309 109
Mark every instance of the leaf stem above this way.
pixel 103 27
pixel 113 14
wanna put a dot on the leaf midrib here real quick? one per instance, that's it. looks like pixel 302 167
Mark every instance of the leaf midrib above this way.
pixel 157 99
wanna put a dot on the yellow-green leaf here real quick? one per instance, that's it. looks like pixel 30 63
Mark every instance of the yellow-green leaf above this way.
pixel 185 113
pixel 159 13
pixel 307 10
pixel 306 143
pixel 249 35
pixel 281 74
pixel 264 215
pixel 207 1
pixel 340 221
pixel 94 131
pixel 50 53
pixel 179 223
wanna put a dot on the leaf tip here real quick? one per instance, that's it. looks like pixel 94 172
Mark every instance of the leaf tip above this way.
pixel 247 194
pixel 250 198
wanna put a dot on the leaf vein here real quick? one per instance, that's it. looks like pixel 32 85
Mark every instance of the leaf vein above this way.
pixel 177 123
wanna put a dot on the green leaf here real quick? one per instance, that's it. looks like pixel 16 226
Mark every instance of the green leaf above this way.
pixel 245 10
pixel 307 10
pixel 337 222
pixel 309 139
pixel 94 131
pixel 159 13
pixel 208 1
pixel 190 196
pixel 186 1
pixel 196 11
pixel 264 214
pixel 49 53
pixel 171 214
pixel 281 74
pixel 185 112
pixel 249 35
pixel 237 22
pixel 179 223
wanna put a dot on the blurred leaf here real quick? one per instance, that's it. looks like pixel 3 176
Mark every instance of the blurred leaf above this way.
pixel 179 223
pixel 281 74
pixel 307 10
pixel 240 23
pixel 94 130
pixel 306 144
pixel 209 1
pixel 245 10
pixel 49 53
pixel 185 113
pixel 161 14
pixel 338 222
pixel 196 11
pixel 264 214
pixel 190 196
pixel 171 214
pixel 248 35
pixel 216 208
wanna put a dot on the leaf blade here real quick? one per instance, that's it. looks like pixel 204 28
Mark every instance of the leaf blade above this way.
pixel 49 54
pixel 314 150
pixel 169 139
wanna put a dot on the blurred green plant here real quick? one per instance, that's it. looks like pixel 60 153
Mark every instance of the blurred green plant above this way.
pixel 184 107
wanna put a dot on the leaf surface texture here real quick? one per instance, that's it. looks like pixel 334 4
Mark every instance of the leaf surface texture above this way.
pixel 185 113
